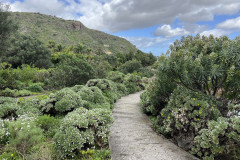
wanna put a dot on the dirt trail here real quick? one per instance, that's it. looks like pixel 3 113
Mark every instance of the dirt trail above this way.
pixel 132 137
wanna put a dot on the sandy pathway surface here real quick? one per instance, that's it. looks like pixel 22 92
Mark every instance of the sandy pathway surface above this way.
pixel 132 137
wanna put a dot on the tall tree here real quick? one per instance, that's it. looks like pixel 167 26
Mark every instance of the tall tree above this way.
pixel 7 27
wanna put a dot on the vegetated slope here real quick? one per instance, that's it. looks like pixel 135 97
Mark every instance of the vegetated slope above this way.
pixel 69 32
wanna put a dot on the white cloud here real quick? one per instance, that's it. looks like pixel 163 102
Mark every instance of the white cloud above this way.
pixel 216 32
pixel 119 15
pixel 230 24
pixel 167 31
pixel 145 42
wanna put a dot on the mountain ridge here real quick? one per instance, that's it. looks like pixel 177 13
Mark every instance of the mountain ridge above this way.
pixel 69 32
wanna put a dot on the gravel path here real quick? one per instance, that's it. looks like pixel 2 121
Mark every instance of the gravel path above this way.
pixel 132 137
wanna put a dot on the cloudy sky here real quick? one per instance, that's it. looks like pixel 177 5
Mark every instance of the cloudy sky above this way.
pixel 151 25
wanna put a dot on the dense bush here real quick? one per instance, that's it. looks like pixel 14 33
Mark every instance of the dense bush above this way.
pixel 116 76
pixel 219 140
pixel 27 50
pixel 130 66
pixel 15 93
pixel 35 87
pixel 48 124
pixel 63 101
pixel 8 107
pixel 82 129
pixel 71 70
pixel 133 83
pixel 28 106
pixel 24 134
pixel 191 92
pixel 4 133
pixel 108 88
pixel 186 113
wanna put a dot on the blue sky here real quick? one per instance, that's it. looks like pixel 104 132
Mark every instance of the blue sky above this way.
pixel 151 25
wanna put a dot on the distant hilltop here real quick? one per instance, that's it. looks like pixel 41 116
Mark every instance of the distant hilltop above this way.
pixel 69 32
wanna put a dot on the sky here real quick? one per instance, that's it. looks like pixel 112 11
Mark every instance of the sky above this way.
pixel 151 25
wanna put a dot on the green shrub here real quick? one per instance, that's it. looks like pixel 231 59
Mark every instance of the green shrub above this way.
pixel 108 88
pixel 95 154
pixel 146 72
pixel 130 66
pixel 42 151
pixel 71 70
pixel 67 100
pixel 4 133
pixel 24 134
pixel 82 129
pixel 77 88
pixel 220 140
pixel 36 87
pixel 48 124
pixel 28 106
pixel 146 105
pixel 22 93
pixel 8 107
pixel 92 94
pixel 8 92
pixel 133 83
pixel 63 101
pixel 116 76
pixel 186 114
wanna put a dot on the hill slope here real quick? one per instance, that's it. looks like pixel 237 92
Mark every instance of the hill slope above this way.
pixel 68 32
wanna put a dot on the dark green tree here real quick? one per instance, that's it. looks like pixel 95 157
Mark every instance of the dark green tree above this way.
pixel 71 70
pixel 27 50
pixel 130 66
pixel 7 27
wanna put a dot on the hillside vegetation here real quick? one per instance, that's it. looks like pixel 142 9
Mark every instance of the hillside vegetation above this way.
pixel 68 32
pixel 58 86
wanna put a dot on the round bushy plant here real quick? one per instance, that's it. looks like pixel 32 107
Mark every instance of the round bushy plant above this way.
pixel 219 140
pixel 108 88
pixel 62 101
pixel 83 129
pixel 8 107
pixel 29 106
pixel 48 124
pixel 133 83
pixel 116 76
pixel 186 113
pixel 92 94
pixel 36 87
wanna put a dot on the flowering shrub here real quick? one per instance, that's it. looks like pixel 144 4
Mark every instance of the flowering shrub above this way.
pixel 4 133
pixel 186 114
pixel 8 107
pixel 82 129
pixel 24 134
pixel 220 139
pixel 92 94
pixel 62 101
pixel 108 88
pixel 28 106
